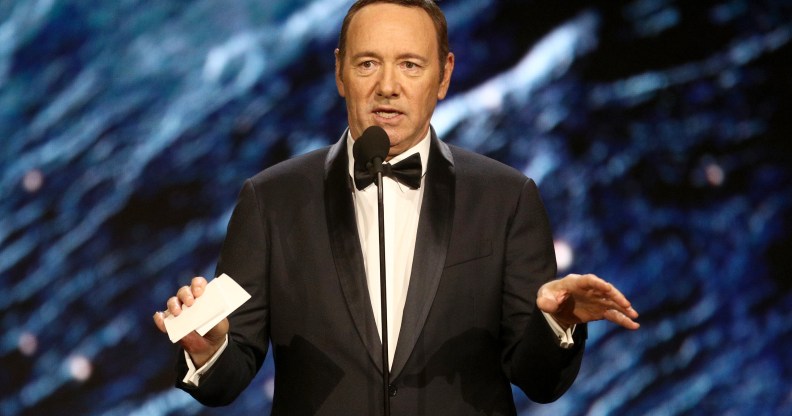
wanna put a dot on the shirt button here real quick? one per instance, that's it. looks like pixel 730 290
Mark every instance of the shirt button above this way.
pixel 392 390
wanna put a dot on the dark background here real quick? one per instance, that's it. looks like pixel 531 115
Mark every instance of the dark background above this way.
pixel 658 132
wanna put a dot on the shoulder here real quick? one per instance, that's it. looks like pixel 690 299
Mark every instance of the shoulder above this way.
pixel 293 182
pixel 471 167
pixel 299 171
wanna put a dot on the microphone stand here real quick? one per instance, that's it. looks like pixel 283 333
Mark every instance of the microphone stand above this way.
pixel 383 294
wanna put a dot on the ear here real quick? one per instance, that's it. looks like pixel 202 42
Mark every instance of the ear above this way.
pixel 338 80
pixel 446 81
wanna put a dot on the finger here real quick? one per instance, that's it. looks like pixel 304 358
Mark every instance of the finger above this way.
pixel 622 303
pixel 197 286
pixel 586 286
pixel 174 306
pixel 612 296
pixel 621 319
pixel 159 321
pixel 594 283
pixel 185 296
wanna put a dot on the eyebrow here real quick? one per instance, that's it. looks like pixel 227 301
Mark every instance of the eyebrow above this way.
pixel 410 56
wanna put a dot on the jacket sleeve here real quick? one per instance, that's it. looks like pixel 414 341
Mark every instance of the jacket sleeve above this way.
pixel 532 358
pixel 244 257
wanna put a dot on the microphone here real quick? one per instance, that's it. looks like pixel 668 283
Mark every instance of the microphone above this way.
pixel 371 148
pixel 369 151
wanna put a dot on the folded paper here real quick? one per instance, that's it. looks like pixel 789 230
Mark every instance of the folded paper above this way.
pixel 221 297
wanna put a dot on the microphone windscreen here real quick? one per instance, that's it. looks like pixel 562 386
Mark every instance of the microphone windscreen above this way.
pixel 373 143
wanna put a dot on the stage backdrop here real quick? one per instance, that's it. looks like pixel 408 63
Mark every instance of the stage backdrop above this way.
pixel 657 130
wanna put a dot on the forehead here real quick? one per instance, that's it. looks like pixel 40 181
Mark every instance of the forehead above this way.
pixel 390 27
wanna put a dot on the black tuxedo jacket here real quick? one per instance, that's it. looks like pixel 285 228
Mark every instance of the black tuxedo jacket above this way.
pixel 469 327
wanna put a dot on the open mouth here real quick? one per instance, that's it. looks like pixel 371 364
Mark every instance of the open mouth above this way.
pixel 387 114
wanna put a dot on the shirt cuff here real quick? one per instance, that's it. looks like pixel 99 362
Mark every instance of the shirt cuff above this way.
pixel 565 340
pixel 193 376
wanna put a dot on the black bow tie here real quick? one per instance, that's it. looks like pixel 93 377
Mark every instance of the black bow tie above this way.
pixel 408 172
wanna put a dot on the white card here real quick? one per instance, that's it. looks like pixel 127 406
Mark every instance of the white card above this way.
pixel 221 297
pixel 234 296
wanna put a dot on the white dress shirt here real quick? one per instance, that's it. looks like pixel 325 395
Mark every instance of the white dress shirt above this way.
pixel 402 207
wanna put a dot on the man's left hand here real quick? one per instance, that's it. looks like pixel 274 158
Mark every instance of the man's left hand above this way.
pixel 577 299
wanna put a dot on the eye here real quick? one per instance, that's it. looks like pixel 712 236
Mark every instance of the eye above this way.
pixel 367 65
pixel 411 68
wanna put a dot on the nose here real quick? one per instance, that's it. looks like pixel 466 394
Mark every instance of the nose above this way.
pixel 388 83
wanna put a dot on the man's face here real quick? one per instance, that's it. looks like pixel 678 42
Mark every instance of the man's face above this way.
pixel 390 76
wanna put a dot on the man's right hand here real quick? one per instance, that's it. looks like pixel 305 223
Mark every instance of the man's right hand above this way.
pixel 200 348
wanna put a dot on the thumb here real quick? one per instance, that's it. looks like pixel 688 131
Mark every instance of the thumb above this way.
pixel 546 301
pixel 218 332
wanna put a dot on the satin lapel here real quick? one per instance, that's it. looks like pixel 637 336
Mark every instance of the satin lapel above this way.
pixel 345 244
pixel 434 232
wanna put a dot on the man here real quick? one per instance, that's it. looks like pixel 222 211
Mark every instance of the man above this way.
pixel 469 258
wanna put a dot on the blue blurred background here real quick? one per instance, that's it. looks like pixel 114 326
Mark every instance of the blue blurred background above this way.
pixel 658 132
